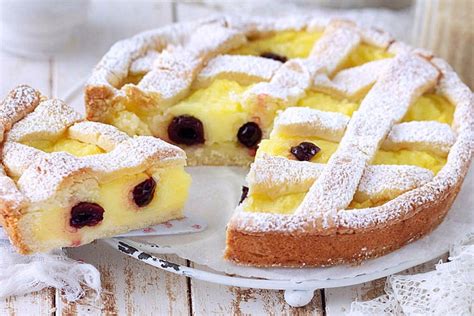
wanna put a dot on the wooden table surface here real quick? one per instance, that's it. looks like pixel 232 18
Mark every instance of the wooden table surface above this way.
pixel 131 287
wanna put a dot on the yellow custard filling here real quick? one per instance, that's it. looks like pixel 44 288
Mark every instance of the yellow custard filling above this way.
pixel 71 146
pixel 429 107
pixel 219 109
pixel 129 123
pixel 363 54
pixel 285 204
pixel 418 158
pixel 115 197
pixel 325 102
pixel 281 145
pixel 291 44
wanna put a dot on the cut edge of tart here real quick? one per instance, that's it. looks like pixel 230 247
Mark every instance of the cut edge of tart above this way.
pixel 66 182
pixel 347 119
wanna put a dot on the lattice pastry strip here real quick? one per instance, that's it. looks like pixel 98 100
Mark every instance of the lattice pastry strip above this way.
pixel 14 165
pixel 144 63
pixel 174 70
pixel 352 82
pixel 275 176
pixel 19 102
pixel 430 136
pixel 105 136
pixel 329 47
pixel 292 80
pixel 407 77
pixel 307 122
pixel 370 36
pixel 49 120
pixel 242 69
pixel 417 135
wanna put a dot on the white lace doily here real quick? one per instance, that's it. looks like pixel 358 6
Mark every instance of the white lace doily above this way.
pixel 448 290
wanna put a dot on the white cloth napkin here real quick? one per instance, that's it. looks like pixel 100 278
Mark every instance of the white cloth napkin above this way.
pixel 448 290
pixel 25 274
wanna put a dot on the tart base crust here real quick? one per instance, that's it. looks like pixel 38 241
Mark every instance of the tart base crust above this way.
pixel 296 250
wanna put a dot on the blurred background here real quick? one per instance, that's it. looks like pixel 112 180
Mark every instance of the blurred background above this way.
pixel 53 44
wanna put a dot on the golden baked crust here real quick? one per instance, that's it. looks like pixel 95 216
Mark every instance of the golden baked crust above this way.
pixel 323 230
pixel 355 235
pixel 344 246
pixel 33 181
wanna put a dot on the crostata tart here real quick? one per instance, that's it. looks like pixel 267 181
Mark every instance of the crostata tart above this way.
pixel 359 143
pixel 65 181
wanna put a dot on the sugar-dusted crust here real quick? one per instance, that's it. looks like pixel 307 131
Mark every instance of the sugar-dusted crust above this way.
pixel 323 231
pixel 32 180
pixel 300 249
pixel 359 234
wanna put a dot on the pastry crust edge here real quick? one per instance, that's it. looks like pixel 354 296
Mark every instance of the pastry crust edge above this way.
pixel 298 249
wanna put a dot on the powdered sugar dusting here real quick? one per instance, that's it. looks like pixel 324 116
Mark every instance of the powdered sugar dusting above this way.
pixel 292 80
pixel 276 176
pixel 302 121
pixel 339 39
pixel 48 121
pixel 175 69
pixel 391 180
pixel 335 188
pixel 430 136
pixel 12 198
pixel 354 81
pixel 243 69
pixel 20 101
pixel 144 63
pixel 171 75
pixel 18 157
pixel 135 155
pixel 41 181
pixel 459 94
pixel 287 85
pixel 105 136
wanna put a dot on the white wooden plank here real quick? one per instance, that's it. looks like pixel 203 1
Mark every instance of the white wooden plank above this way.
pixel 210 299
pixel 338 300
pixel 18 70
pixel 38 303
pixel 107 23
pixel 130 287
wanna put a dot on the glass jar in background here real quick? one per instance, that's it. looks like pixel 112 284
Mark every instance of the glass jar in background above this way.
pixel 352 4
pixel 446 27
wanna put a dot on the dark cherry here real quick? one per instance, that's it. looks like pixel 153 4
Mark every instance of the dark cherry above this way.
pixel 143 192
pixel 249 135
pixel 305 151
pixel 274 56
pixel 86 214
pixel 187 130
pixel 245 191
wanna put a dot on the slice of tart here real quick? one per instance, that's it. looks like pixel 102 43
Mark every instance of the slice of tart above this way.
pixel 371 142
pixel 66 181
